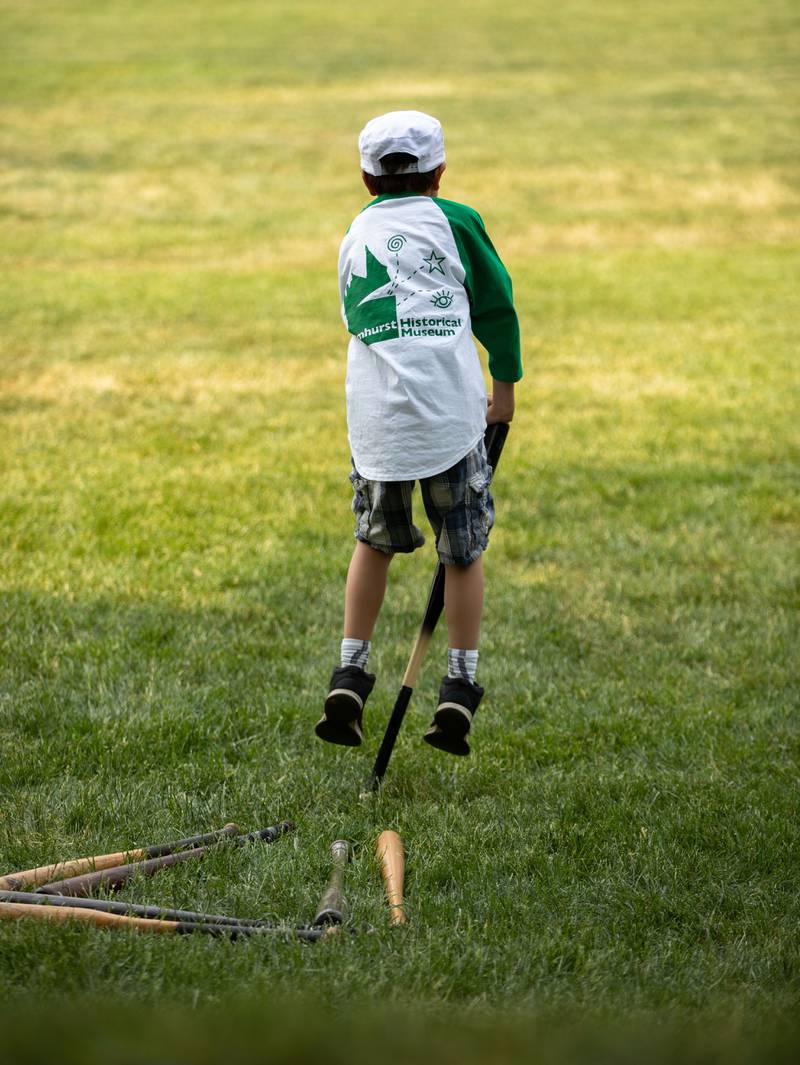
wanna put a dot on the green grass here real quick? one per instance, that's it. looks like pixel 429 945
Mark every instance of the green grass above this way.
pixel 174 507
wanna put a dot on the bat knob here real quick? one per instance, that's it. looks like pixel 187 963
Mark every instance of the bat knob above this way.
pixel 330 917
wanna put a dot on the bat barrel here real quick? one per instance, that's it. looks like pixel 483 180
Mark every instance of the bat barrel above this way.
pixel 15 911
pixel 391 856
pixel 332 906
pixel 390 735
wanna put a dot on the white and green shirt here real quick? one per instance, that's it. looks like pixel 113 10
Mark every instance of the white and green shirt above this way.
pixel 418 276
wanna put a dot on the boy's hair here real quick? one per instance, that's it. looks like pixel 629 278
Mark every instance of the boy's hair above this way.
pixel 399 182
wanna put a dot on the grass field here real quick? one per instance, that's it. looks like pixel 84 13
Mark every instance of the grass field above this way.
pixel 174 504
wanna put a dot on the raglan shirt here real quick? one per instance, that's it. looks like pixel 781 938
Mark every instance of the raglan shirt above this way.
pixel 418 276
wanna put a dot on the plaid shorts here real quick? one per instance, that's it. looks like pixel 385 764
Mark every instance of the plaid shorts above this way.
pixel 458 503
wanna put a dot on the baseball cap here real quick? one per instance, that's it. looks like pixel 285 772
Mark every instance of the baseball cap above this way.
pixel 411 132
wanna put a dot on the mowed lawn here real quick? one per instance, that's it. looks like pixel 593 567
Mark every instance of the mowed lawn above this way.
pixel 174 504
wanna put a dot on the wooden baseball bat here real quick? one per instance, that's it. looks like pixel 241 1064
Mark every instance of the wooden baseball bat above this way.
pixel 332 906
pixel 390 854
pixel 111 879
pixel 44 874
pixel 494 439
pixel 130 909
pixel 17 911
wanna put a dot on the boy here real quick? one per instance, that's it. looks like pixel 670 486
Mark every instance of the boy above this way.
pixel 418 276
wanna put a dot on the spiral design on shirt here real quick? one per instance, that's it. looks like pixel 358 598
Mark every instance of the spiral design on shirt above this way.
pixel 396 242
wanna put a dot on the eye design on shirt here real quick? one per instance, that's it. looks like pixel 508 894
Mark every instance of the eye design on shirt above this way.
pixel 442 299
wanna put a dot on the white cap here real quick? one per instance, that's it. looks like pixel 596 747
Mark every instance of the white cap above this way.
pixel 411 132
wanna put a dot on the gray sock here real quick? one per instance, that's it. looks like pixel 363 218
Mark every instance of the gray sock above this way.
pixel 355 652
pixel 463 664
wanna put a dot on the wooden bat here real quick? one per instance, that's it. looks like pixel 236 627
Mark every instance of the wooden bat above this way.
pixel 44 874
pixel 389 852
pixel 332 906
pixel 115 877
pixel 34 898
pixel 494 439
pixel 17 911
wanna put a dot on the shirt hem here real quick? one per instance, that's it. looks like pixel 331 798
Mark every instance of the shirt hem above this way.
pixel 374 474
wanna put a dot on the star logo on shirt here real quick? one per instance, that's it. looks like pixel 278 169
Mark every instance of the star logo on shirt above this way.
pixel 434 262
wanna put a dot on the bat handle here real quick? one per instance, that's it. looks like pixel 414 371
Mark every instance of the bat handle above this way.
pixel 494 438
pixel 267 835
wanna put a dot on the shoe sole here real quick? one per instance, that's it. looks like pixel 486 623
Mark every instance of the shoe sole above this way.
pixel 340 724
pixel 446 741
pixel 453 718
pixel 451 725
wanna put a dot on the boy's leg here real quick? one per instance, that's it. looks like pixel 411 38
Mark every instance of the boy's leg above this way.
pixel 350 683
pixel 463 603
pixel 364 591
pixel 383 526
pixel 460 507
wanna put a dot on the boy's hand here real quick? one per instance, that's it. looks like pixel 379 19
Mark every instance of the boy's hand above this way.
pixel 500 404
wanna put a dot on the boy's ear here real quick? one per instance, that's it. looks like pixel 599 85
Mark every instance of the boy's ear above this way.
pixel 437 176
pixel 367 179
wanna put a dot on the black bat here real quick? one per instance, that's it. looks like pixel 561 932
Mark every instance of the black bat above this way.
pixel 494 439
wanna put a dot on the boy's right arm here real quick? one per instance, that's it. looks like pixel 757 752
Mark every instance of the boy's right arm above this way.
pixel 494 319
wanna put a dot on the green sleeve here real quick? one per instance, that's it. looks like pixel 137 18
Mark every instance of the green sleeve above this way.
pixel 494 320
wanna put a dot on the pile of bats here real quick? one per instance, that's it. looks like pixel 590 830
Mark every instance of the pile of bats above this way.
pixel 62 891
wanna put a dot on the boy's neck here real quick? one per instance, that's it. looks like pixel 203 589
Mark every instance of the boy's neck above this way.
pixel 435 177
pixel 401 195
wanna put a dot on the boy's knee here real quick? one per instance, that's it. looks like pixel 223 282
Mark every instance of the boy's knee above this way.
pixel 464 567
pixel 386 554
pixel 457 557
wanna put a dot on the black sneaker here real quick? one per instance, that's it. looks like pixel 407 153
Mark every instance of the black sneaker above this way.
pixel 341 721
pixel 458 701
